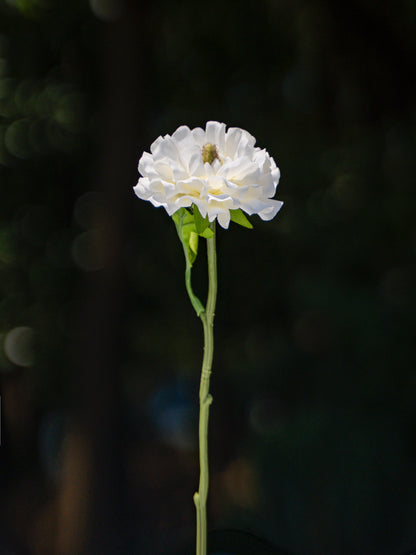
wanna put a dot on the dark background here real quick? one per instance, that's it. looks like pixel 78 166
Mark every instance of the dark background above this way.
pixel 312 431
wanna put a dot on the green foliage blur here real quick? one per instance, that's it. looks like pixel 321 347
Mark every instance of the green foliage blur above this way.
pixel 314 417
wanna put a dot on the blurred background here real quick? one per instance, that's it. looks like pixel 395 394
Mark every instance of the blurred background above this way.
pixel 313 426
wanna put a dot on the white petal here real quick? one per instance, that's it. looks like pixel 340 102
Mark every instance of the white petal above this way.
pixel 224 219
pixel 270 212
pixel 166 149
pixel 188 153
pixel 265 208
pixel 212 214
pixel 183 136
pixel 180 202
pixel 170 189
pixel 262 159
pixel 155 144
pixel 164 170
pixel 199 136
pixel 216 165
pixel 171 208
pixel 232 140
pixel 254 205
pixel 158 204
pixel 192 186
pixel 268 185
pixel 185 144
pixel 246 145
pixel 219 199
pixel 274 171
pixel 276 175
pixel 179 172
pixel 141 191
pixel 230 167
pixel 215 133
pixel 209 170
pixel 202 206
pixel 247 174
pixel 146 164
pixel 217 183
pixel 195 164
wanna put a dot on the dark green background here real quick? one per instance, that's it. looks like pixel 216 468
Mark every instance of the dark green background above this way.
pixel 313 425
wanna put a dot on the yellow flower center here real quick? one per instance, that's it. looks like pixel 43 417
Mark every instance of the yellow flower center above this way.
pixel 209 153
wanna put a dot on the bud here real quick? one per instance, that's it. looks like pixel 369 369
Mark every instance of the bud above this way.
pixel 209 153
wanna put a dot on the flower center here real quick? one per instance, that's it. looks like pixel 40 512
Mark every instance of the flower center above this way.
pixel 209 153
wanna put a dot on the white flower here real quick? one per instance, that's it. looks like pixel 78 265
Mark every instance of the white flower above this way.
pixel 215 169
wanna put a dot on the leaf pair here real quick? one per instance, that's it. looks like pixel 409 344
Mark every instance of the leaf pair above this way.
pixel 191 225
pixel 189 232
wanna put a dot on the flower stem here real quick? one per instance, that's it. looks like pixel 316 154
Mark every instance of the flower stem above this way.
pixel 205 399
pixel 196 303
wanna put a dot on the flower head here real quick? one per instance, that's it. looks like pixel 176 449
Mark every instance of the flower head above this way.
pixel 214 169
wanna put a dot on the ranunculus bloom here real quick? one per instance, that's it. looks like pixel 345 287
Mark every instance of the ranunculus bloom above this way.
pixel 215 169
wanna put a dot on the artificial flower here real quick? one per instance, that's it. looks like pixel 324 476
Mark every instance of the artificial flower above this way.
pixel 217 170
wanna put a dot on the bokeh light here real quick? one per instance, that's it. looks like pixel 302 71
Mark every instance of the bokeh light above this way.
pixel 18 346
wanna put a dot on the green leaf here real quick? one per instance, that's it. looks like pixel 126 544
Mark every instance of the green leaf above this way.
pixel 193 242
pixel 207 233
pixel 238 217
pixel 185 226
pixel 201 223
pixel 176 217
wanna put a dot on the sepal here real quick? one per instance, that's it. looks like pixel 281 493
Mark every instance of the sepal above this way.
pixel 201 224
pixel 238 217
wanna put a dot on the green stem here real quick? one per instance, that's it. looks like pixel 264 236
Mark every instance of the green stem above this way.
pixel 196 303
pixel 205 399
